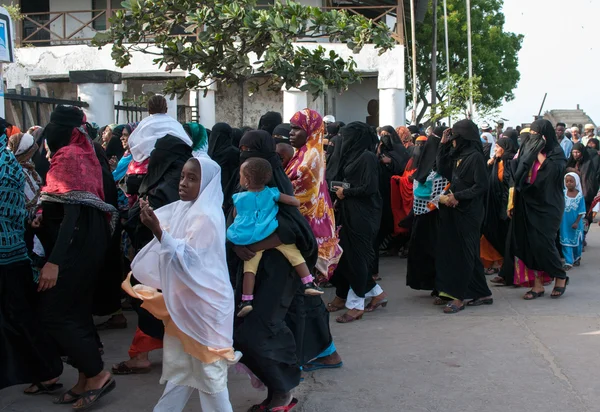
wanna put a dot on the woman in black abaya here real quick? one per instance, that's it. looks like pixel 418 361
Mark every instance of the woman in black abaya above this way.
pixel 582 163
pixel 359 214
pixel 536 208
pixel 496 221
pixel 459 272
pixel 221 151
pixel 285 329
pixel 420 273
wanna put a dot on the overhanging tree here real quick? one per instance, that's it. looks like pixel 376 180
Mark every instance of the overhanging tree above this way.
pixel 495 58
pixel 236 41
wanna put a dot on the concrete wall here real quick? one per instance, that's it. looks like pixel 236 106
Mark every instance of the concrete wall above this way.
pixel 352 104
pixel 235 106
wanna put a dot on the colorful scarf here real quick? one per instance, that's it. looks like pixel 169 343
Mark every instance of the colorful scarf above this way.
pixel 75 167
pixel 12 207
pixel 405 136
pixel 306 170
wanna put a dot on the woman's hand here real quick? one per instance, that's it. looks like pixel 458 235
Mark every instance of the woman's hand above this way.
pixel 491 162
pixel 149 219
pixel 541 158
pixel 339 192
pixel 446 136
pixel 385 160
pixel 243 252
pixel 48 277
pixel 575 225
pixel 451 202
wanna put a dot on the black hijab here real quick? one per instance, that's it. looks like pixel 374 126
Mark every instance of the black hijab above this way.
pixel 236 135
pixel 221 151
pixel 426 162
pixel 466 134
pixel 513 135
pixel 391 146
pixel 269 121
pixel 282 132
pixel 509 147
pixel 356 139
pixel 114 146
pixel 62 122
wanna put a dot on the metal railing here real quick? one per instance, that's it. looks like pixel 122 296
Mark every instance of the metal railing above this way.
pixel 55 28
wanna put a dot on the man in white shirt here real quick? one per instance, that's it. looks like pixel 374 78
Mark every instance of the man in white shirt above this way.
pixel 488 137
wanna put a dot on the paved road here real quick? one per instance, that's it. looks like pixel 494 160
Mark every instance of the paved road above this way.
pixel 539 356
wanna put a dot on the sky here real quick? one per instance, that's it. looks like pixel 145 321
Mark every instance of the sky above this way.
pixel 560 56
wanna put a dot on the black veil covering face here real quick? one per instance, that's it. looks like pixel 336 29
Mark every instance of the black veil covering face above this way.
pixel 538 205
pixel 269 121
pixel 221 151
pixel 459 268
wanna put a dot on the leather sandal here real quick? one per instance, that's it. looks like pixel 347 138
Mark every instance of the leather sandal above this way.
pixel 334 308
pixel 531 295
pixel 346 318
pixel 375 303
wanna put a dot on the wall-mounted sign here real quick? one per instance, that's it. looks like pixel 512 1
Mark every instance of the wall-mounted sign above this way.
pixel 6 37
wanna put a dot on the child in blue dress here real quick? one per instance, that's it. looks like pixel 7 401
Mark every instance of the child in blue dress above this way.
pixel 255 220
pixel 571 227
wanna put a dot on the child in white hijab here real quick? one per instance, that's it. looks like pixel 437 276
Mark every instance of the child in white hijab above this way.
pixel 187 261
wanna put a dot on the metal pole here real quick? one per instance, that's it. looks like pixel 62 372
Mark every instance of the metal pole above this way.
pixel 434 60
pixel 447 57
pixel 470 58
pixel 414 61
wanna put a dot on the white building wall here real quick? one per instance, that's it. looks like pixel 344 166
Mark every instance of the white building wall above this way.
pixel 67 25
pixel 351 105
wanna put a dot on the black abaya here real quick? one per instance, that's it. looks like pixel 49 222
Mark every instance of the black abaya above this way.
pixel 459 268
pixel 220 150
pixel 420 270
pixel 282 330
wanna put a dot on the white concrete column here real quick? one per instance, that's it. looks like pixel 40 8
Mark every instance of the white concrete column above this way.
pixel 294 100
pixel 392 107
pixel 120 90
pixel 207 106
pixel 391 85
pixel 172 106
pixel 100 97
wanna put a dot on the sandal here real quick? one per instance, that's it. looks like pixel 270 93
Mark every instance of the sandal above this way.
pixel 334 308
pixel 374 304
pixel 123 369
pixel 533 295
pixel 345 318
pixel 479 302
pixel 91 397
pixel 452 308
pixel 491 271
pixel 439 301
pixel 260 407
pixel 286 408
pixel 561 290
pixel 498 280
pixel 43 389
pixel 62 401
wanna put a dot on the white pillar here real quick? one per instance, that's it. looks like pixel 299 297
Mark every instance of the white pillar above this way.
pixel 120 90
pixel 207 108
pixel 392 107
pixel 2 111
pixel 100 97
pixel 294 100
pixel 172 106
pixel 391 84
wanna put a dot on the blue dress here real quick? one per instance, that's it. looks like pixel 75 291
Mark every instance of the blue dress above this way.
pixel 572 239
pixel 256 217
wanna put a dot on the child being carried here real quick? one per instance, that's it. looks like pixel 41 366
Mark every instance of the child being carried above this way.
pixel 255 213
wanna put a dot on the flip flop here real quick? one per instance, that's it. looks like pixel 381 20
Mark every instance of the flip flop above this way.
pixel 286 408
pixel 533 295
pixel 123 369
pixel 314 366
pixel 93 396
pixel 62 401
pixel 479 302
pixel 43 389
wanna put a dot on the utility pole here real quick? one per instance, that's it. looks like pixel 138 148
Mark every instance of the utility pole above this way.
pixel 414 60
pixel 434 60
pixel 447 57
pixel 470 58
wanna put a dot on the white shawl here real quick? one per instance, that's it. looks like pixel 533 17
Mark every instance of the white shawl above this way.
pixel 144 137
pixel 189 264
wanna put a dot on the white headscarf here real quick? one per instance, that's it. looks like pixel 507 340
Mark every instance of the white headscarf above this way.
pixel 577 182
pixel 144 137
pixel 189 264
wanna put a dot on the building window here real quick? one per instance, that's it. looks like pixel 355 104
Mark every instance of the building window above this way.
pixel 98 5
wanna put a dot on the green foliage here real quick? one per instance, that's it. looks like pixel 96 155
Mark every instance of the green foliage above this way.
pixel 495 58
pixel 236 41
pixel 14 11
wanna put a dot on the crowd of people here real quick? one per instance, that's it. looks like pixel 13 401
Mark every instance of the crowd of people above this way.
pixel 223 239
